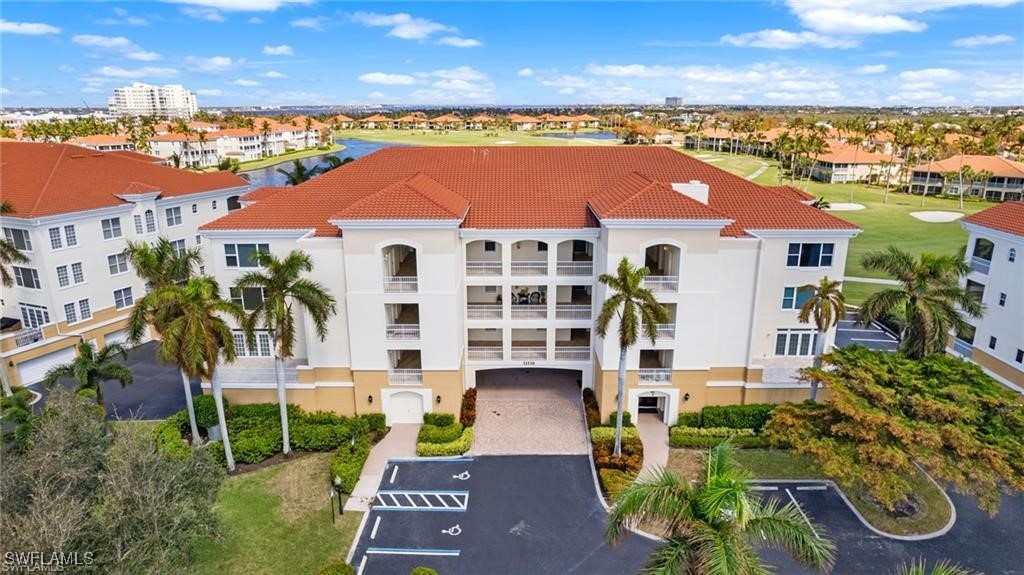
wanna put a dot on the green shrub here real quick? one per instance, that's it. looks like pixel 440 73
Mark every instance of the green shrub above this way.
pixel 168 440
pixel 450 449
pixel 752 416
pixel 467 414
pixel 437 434
pixel 263 411
pixel 613 481
pixel 438 419
pixel 689 419
pixel 348 461
pixel 306 436
pixel 607 434
pixel 253 445
pixel 87 392
pixel 324 418
pixel 180 421
pixel 592 410
pixel 632 458
pixel 702 437
pixel 216 451
pixel 374 421
pixel 422 571
pixel 627 419
pixel 337 568
pixel 206 410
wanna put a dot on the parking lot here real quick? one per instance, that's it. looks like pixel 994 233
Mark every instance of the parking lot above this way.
pixel 871 336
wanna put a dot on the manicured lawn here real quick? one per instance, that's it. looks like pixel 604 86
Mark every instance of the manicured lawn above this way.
pixel 739 164
pixel 469 138
pixel 277 520
pixel 857 292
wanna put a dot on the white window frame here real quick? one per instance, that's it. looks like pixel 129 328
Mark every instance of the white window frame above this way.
pixel 70 313
pixel 56 241
pixel 84 309
pixel 821 254
pixel 137 219
pixel 264 345
pixel 34 315
pixel 795 343
pixel 26 238
pixel 63 276
pixel 120 259
pixel 124 303
pixel 77 273
pixel 70 236
pixel 109 226
pixel 19 277
pixel 150 218
pixel 173 216
pixel 231 251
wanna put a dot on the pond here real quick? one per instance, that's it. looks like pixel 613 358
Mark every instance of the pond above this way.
pixel 588 135
pixel 354 148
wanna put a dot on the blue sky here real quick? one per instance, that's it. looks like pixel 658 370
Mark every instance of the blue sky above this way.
pixel 238 52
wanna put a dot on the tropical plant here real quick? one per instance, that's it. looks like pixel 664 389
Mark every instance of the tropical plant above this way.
pixel 333 162
pixel 633 305
pixel 821 203
pixel 9 253
pixel 927 298
pixel 920 567
pixel 16 410
pixel 91 368
pixel 282 284
pixel 715 524
pixel 298 174
pixel 825 307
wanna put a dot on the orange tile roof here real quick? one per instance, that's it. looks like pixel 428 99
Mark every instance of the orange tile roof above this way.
pixel 376 118
pixel 98 139
pixel 840 153
pixel 791 192
pixel 48 179
pixel 416 198
pixel 447 118
pixel 634 196
pixel 1006 217
pixel 482 118
pixel 140 156
pixel 528 187
pixel 999 166
pixel 261 193
pixel 586 118
pixel 520 119
pixel 343 118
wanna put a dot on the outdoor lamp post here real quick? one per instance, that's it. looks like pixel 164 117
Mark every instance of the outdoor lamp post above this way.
pixel 337 489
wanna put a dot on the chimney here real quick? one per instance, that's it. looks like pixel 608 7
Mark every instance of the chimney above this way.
pixel 694 189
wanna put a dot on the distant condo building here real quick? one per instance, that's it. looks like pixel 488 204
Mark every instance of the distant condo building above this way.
pixel 172 101
pixel 673 102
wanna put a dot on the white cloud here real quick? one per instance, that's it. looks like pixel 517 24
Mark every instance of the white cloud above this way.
pixel 387 79
pixel 126 47
pixel 273 74
pixel 929 74
pixel 525 72
pixel 246 83
pixel 918 86
pixel 376 95
pixel 27 28
pixel 871 69
pixel 208 92
pixel 460 73
pixel 786 40
pixel 254 20
pixel 282 50
pixel 854 17
pixel 982 40
pixel 459 42
pixel 567 91
pixel 402 25
pixel 311 22
pixel 211 65
pixel 202 13
pixel 122 18
pixel 242 5
pixel 144 72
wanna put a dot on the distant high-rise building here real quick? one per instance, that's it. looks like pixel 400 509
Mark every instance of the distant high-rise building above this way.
pixel 673 102
pixel 172 101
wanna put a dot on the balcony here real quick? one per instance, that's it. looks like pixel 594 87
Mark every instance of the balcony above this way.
pixel 483 268
pixel 256 370
pixel 402 331
pixel 573 353
pixel 662 284
pixel 533 268
pixel 400 284
pixel 400 269
pixel 405 376
pixel 483 311
pixel 980 265
pixel 530 311
pixel 962 348
pixel 485 353
pixel 572 311
pixel 529 353
pixel 666 330
pixel 575 268
pixel 28 336
pixel 655 376
pixel 403 321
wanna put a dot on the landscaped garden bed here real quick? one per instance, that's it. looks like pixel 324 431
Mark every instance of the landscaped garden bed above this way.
pixel 442 436
pixel 614 472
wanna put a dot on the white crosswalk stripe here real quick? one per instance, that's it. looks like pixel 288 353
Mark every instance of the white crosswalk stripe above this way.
pixel 421 501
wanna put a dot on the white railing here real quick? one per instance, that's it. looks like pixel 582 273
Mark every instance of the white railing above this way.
pixel 28 336
pixel 486 311
pixel 575 268
pixel 393 284
pixel 481 268
pixel 571 311
pixel 233 373
pixel 572 353
pixel 529 268
pixel 662 283
pixel 666 330
pixel 405 377
pixel 962 347
pixel 529 311
pixel 486 353
pixel 402 331
pixel 528 353
pixel 980 265
pixel 658 375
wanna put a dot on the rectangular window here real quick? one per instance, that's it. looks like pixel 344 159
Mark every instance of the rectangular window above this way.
pixel 490 246
pixel 260 348
pixel 1020 356
pixel 138 224
pixel 179 246
pixel 34 315
pixel 810 255
pixel 199 240
pixel 992 342
pixel 20 238
pixel 85 309
pixel 490 289
pixel 118 264
pixel 70 236
pixel 795 297
pixel 123 298
pixel 111 228
pixel 241 255
pixel 63 280
pixel 249 298
pixel 795 342
pixel 150 222
pixel 26 277
pixel 76 273
pixel 55 241
pixel 173 216
pixel 70 313
pixel 1002 299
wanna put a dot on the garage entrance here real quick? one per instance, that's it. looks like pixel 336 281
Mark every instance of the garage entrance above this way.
pixel 406 407
pixel 34 370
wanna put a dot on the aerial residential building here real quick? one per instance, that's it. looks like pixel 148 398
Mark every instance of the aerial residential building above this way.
pixel 844 163
pixel 449 262
pixel 673 101
pixel 75 209
pixel 205 148
pixel 524 123
pixel 343 121
pixel 1005 180
pixel 170 101
pixel 103 142
pixel 480 122
pixel 376 122
pixel 995 252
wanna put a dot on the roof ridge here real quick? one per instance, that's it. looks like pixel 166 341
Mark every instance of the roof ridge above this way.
pixel 408 181
pixel 49 177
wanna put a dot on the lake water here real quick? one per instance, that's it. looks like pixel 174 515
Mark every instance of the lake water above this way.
pixel 354 148
pixel 588 135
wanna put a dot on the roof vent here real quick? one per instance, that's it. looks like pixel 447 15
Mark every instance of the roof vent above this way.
pixel 694 189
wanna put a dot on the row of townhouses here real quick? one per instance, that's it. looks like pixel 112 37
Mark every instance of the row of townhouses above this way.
pixel 519 122
pixel 208 144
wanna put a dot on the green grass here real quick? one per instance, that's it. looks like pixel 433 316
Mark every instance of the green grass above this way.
pixel 277 520
pixel 857 292
pixel 739 164
pixel 288 156
pixel 469 138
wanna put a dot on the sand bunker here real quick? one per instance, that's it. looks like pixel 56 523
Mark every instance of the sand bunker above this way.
pixel 703 156
pixel 712 160
pixel 504 142
pixel 843 207
pixel 937 217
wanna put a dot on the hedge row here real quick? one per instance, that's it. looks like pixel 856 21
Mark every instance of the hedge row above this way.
pixel 627 419
pixel 457 447
pixel 752 416
pixel 614 481
pixel 439 419
pixel 606 434
pixel 168 438
pixel 591 408
pixel 632 458
pixel 703 437
pixel 440 434
pixel 348 461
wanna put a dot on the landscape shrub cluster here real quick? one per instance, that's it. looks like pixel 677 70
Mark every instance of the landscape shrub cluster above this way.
pixel 627 419
pixel 458 446
pixel 704 437
pixel 741 424
pixel 347 462
pixel 467 415
pixel 591 408
pixel 614 481
pixel 751 416
pixel 632 458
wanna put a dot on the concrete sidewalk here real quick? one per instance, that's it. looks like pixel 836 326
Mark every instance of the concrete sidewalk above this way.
pixel 399 442
pixel 654 435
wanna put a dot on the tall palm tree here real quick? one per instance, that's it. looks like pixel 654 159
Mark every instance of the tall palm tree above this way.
pixel 333 162
pixel 298 174
pixel 633 305
pixel 715 524
pixel 264 137
pixel 927 298
pixel 196 337
pixel 91 368
pixel 9 253
pixel 825 307
pixel 282 285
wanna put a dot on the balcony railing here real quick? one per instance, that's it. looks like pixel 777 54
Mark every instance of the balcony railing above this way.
pixel 529 268
pixel 483 268
pixel 572 311
pixel 486 353
pixel 530 353
pixel 666 330
pixel 486 311
pixel 662 283
pixel 656 375
pixel 400 284
pixel 28 336
pixel 402 331
pixel 405 377
pixel 963 348
pixel 572 353
pixel 575 268
pixel 980 265
pixel 529 311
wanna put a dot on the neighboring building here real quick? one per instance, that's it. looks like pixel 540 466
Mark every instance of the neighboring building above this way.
pixel 480 122
pixel 524 123
pixel 103 143
pixel 1006 182
pixel 170 101
pixel 664 136
pixel 996 256
pixel 844 163
pixel 206 148
pixel 20 119
pixel 448 262
pixel 673 102
pixel 343 122
pixel 375 122
pixel 75 209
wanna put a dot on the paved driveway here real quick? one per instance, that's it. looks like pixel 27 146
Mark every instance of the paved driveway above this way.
pixel 529 412
pixel 512 515
pixel 870 336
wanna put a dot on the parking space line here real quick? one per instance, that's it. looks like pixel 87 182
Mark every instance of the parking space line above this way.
pixel 812 487
pixel 401 551
pixel 873 340
pixel 802 514
pixel 394 473
pixel 376 524
pixel 362 565
pixel 764 488
pixel 421 501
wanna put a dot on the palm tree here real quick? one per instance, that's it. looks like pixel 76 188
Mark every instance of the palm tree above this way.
pixel 821 203
pixel 633 305
pixel 920 567
pixel 332 162
pixel 264 137
pixel 16 409
pixel 91 368
pixel 298 174
pixel 825 307
pixel 196 337
pixel 9 253
pixel 715 524
pixel 927 298
pixel 282 284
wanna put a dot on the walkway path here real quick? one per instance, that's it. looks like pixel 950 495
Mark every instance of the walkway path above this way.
pixel 654 435
pixel 879 281
pixel 758 172
pixel 399 442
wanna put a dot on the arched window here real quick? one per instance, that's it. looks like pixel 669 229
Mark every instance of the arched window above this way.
pixel 150 222
pixel 1012 255
pixel 234 204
